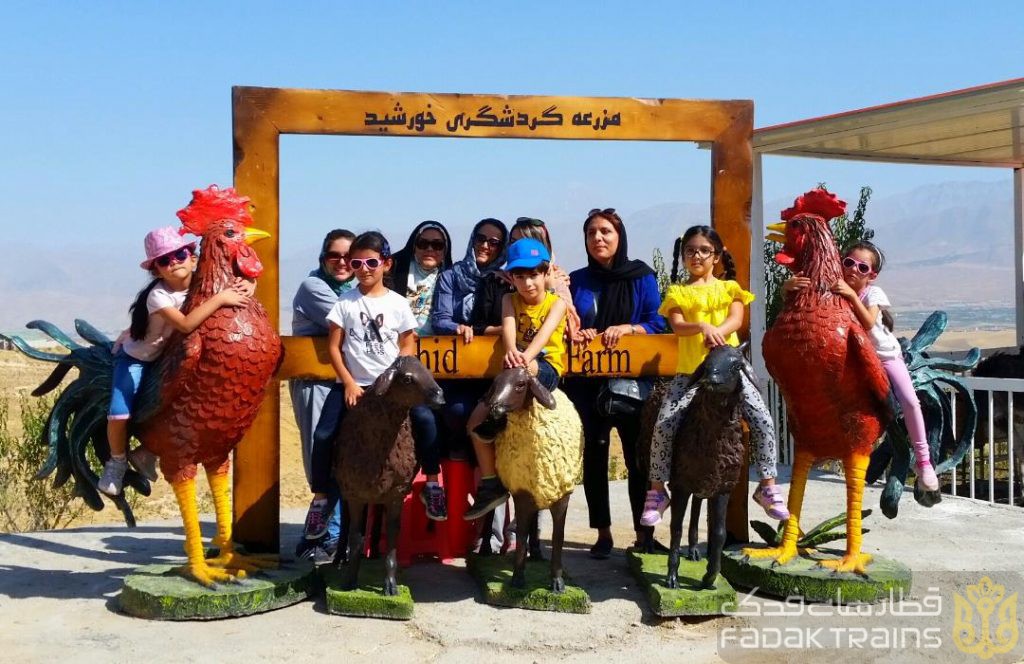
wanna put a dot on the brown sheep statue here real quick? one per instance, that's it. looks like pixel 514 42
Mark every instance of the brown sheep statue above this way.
pixel 376 463
pixel 539 454
pixel 708 456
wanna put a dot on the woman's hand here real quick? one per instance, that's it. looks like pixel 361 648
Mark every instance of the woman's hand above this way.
pixel 713 337
pixel 842 289
pixel 514 358
pixel 584 336
pixel 610 337
pixel 797 282
pixel 466 332
pixel 353 393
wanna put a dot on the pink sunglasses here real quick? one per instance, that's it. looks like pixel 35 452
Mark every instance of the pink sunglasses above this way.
pixel 853 264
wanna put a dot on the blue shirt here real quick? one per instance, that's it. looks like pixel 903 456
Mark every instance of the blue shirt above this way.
pixel 586 294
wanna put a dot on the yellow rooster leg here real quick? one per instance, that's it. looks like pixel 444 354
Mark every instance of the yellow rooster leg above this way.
pixel 854 561
pixel 228 559
pixel 197 568
pixel 787 549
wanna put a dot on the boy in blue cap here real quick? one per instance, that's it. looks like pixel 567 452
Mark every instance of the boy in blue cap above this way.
pixel 533 332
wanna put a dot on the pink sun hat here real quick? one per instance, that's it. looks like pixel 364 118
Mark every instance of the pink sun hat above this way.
pixel 161 242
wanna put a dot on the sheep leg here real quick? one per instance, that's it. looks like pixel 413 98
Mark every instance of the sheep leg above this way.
pixel 535 552
pixel 717 508
pixel 525 513
pixel 679 498
pixel 355 546
pixel 485 535
pixel 692 552
pixel 391 560
pixel 558 511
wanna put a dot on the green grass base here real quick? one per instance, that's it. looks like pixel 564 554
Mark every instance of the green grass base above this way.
pixel 368 600
pixel 651 569
pixel 158 592
pixel 802 577
pixel 494 573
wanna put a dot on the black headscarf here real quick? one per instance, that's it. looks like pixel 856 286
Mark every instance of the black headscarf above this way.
pixel 404 257
pixel 616 305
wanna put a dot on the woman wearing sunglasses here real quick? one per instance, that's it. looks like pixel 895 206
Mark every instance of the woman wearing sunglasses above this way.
pixel 417 266
pixel 313 300
pixel 155 316
pixel 467 303
pixel 861 265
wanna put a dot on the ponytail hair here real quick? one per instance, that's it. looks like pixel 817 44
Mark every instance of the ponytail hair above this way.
pixel 140 312
pixel 728 263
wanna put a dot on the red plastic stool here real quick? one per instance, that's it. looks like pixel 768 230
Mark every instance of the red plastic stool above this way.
pixel 420 536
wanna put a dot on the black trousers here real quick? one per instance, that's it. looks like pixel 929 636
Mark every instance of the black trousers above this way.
pixel 597 434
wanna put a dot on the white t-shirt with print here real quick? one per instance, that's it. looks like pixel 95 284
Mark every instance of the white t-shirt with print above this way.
pixel 372 326
pixel 887 346
pixel 158 330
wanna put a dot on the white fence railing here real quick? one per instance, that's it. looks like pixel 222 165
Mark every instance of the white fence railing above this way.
pixel 991 470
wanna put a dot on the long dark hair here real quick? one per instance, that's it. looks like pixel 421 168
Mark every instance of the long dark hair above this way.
pixel 140 312
pixel 728 263
pixel 371 241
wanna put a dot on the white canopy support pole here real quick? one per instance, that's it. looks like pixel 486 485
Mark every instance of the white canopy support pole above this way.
pixel 1018 250
pixel 759 311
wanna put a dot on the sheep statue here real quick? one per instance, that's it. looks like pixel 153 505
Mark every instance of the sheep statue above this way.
pixel 539 458
pixel 376 463
pixel 708 454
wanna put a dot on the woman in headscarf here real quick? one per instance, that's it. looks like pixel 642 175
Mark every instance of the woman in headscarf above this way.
pixel 313 301
pixel 614 296
pixel 417 266
pixel 467 303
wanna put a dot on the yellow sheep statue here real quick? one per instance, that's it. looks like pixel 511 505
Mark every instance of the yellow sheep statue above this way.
pixel 539 457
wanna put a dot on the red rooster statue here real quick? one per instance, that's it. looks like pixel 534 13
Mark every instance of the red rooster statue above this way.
pixel 835 388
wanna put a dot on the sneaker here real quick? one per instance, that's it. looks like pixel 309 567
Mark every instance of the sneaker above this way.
pixel 111 482
pixel 489 495
pixel 432 497
pixel 144 461
pixel 926 476
pixel 770 498
pixel 324 552
pixel 654 506
pixel 316 520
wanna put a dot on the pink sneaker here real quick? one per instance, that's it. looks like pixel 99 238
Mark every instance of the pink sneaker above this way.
pixel 926 476
pixel 770 498
pixel 654 506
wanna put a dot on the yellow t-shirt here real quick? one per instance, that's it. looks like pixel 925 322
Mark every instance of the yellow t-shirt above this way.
pixel 702 303
pixel 529 319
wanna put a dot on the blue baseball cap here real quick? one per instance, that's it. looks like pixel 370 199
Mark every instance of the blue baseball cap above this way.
pixel 526 253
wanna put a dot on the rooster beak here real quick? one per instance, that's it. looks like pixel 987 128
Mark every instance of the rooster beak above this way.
pixel 253 235
pixel 777 232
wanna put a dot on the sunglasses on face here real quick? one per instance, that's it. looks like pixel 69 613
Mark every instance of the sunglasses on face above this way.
pixel 368 263
pixel 702 253
pixel 482 240
pixel 179 256
pixel 852 263
pixel 335 257
pixel 432 245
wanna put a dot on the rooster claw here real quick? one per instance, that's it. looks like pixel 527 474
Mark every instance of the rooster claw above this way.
pixel 855 564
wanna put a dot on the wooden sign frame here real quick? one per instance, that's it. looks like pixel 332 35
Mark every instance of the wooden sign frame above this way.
pixel 261 115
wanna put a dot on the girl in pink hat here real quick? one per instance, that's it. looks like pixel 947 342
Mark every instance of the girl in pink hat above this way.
pixel 156 315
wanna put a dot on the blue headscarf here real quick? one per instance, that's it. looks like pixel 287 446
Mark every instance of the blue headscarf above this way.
pixel 468 274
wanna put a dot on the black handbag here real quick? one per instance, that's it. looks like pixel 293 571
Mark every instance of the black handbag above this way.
pixel 623 396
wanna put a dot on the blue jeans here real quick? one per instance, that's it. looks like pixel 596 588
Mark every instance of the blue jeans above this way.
pixel 125 383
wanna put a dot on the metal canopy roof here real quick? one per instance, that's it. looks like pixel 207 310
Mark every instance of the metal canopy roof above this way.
pixel 980 126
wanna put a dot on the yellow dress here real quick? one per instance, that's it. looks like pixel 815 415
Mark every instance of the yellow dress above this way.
pixel 702 303
pixel 529 319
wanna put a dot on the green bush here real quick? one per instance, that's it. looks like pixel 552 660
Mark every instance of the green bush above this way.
pixel 26 503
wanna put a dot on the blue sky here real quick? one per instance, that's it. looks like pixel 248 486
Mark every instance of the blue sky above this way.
pixel 114 112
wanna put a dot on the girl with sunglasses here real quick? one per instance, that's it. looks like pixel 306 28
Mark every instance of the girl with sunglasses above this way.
pixel 155 317
pixel 371 326
pixel 417 266
pixel 861 265
pixel 313 300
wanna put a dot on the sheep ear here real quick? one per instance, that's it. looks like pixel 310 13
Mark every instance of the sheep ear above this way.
pixel 383 382
pixel 541 394
pixel 744 348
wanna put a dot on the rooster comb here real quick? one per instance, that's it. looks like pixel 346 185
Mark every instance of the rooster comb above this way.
pixel 818 202
pixel 213 204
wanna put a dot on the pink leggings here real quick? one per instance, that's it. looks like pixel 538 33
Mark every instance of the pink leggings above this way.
pixel 899 378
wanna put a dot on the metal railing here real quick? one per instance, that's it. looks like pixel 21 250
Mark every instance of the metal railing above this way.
pixel 992 468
